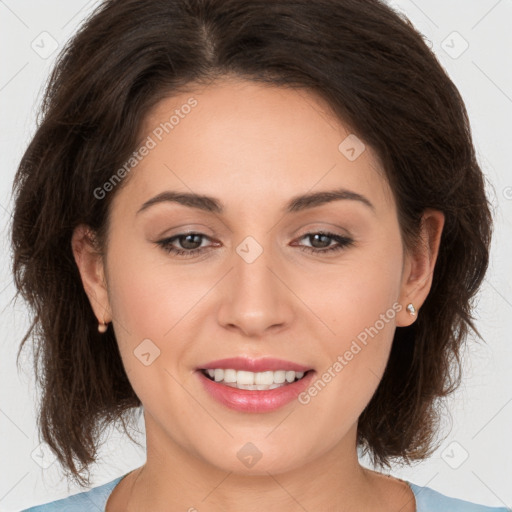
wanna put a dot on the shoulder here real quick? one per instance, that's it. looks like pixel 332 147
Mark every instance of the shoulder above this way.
pixel 93 499
pixel 429 500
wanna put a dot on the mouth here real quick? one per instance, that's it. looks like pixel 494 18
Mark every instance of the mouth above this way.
pixel 254 381
pixel 252 385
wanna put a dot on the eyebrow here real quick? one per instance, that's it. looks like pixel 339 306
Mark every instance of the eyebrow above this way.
pixel 296 204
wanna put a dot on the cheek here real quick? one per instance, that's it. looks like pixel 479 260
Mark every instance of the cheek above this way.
pixel 148 295
pixel 359 305
pixel 354 362
pixel 149 306
pixel 353 295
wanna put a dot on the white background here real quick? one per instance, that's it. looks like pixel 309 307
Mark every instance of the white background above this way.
pixel 478 425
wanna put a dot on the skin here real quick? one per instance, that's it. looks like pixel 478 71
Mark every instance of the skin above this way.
pixel 254 147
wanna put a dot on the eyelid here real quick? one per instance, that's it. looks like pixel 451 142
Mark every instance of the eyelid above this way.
pixel 320 226
pixel 187 228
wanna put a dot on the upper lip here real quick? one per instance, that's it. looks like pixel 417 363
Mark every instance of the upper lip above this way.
pixel 254 365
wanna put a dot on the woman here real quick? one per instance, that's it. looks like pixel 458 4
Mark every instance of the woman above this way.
pixel 264 223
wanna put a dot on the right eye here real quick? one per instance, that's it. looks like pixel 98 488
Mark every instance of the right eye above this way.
pixel 188 242
pixel 342 242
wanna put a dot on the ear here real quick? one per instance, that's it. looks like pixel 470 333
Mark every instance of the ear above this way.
pixel 419 266
pixel 91 267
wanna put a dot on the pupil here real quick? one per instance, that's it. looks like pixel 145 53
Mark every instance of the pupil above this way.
pixel 316 239
pixel 187 244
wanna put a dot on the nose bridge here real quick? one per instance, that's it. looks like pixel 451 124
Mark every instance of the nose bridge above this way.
pixel 256 299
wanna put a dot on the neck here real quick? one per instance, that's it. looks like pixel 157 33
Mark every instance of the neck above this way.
pixel 179 479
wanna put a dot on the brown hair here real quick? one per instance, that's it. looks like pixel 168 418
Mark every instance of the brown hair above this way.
pixel 378 75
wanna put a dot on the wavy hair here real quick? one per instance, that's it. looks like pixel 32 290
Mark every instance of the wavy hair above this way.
pixel 380 78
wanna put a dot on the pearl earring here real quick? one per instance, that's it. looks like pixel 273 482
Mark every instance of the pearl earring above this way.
pixel 102 328
pixel 411 309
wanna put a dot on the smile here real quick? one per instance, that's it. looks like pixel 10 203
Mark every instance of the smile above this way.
pixel 259 381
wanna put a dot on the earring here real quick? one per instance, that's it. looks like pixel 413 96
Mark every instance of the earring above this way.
pixel 411 309
pixel 102 328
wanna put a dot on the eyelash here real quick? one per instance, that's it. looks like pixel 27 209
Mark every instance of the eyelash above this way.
pixel 342 241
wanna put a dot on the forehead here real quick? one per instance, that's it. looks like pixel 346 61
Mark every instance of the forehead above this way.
pixel 250 143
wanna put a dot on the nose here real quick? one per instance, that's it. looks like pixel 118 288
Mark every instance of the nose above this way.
pixel 255 298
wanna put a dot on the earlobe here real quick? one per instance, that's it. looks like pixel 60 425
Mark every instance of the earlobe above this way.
pixel 419 267
pixel 91 267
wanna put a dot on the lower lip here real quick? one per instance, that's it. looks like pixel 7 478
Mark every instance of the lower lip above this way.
pixel 249 400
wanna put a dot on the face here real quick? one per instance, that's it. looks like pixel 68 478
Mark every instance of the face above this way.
pixel 254 273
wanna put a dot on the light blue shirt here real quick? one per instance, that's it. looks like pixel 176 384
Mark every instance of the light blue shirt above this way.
pixel 95 500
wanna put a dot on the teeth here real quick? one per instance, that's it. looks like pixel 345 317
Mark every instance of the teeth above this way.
pixel 264 378
pixel 230 376
pixel 279 377
pixel 242 379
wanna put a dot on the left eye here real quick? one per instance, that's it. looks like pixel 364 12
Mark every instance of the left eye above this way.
pixel 191 243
